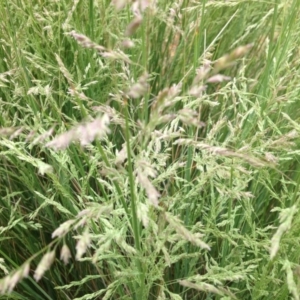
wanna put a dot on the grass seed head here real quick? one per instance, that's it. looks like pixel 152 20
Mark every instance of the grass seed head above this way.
pixel 44 265
pixel 84 241
pixel 65 254
pixel 133 25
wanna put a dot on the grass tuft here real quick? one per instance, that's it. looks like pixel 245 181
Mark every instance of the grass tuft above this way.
pixel 149 150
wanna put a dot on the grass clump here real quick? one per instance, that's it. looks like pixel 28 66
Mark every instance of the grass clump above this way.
pixel 149 150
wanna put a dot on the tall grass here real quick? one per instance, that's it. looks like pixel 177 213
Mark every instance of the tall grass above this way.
pixel 149 150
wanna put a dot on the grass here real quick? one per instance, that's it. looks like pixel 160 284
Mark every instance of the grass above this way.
pixel 149 151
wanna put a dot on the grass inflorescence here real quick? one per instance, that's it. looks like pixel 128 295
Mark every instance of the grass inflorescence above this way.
pixel 149 149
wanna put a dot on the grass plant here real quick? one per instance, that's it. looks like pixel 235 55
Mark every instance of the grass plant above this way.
pixel 149 149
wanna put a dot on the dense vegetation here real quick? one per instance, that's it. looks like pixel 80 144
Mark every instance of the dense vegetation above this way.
pixel 149 149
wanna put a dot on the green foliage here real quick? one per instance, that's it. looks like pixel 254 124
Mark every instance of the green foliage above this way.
pixel 149 150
